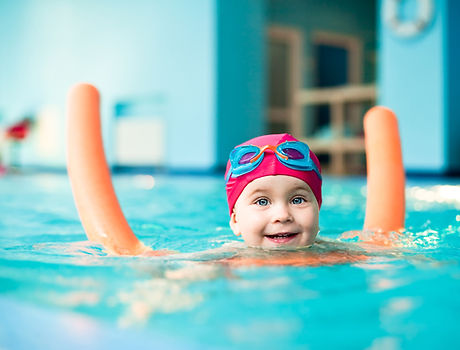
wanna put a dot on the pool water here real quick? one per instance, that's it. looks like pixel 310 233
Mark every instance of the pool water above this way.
pixel 59 290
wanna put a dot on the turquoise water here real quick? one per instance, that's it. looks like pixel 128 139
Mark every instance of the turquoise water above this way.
pixel 58 290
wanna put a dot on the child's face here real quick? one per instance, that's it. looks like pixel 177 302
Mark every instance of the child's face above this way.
pixel 274 211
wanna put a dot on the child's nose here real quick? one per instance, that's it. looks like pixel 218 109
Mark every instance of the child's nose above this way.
pixel 282 213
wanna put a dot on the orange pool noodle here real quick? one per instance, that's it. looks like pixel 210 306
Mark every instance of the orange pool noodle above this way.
pixel 94 195
pixel 385 207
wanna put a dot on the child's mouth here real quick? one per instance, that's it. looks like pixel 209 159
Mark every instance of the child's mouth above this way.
pixel 281 237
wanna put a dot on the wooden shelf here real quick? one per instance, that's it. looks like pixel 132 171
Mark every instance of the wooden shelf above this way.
pixel 340 149
pixel 352 93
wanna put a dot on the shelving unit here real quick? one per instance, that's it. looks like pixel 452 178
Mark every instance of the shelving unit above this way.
pixel 339 146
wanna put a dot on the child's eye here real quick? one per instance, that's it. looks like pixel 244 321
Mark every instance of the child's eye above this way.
pixel 262 202
pixel 298 200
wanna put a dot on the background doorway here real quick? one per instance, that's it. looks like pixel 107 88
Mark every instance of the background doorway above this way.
pixel 284 77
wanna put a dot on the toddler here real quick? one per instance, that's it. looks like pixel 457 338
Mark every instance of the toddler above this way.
pixel 273 185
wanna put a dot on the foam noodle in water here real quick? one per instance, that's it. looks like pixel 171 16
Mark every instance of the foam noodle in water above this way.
pixel 97 204
pixel 385 207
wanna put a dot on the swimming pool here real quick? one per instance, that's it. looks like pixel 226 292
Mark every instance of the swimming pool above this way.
pixel 58 289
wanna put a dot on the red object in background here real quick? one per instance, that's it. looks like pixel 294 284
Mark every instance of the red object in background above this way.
pixel 18 131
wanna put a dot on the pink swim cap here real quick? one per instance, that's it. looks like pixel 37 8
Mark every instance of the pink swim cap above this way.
pixel 270 165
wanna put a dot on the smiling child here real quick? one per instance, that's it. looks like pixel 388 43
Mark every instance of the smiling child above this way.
pixel 274 192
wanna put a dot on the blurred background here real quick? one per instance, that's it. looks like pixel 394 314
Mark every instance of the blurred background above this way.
pixel 182 82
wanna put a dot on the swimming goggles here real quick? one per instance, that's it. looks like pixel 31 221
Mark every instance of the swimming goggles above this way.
pixel 292 154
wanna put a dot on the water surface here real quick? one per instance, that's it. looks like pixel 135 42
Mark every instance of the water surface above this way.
pixel 56 288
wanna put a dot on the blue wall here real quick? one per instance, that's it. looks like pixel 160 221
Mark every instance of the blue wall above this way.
pixel 204 59
pixel 128 49
pixel 417 80
pixel 453 85
pixel 241 41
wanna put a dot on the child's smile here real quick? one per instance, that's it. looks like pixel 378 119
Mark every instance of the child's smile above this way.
pixel 275 211
pixel 281 237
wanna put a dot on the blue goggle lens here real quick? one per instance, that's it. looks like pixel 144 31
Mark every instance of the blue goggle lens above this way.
pixel 292 153
pixel 246 158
